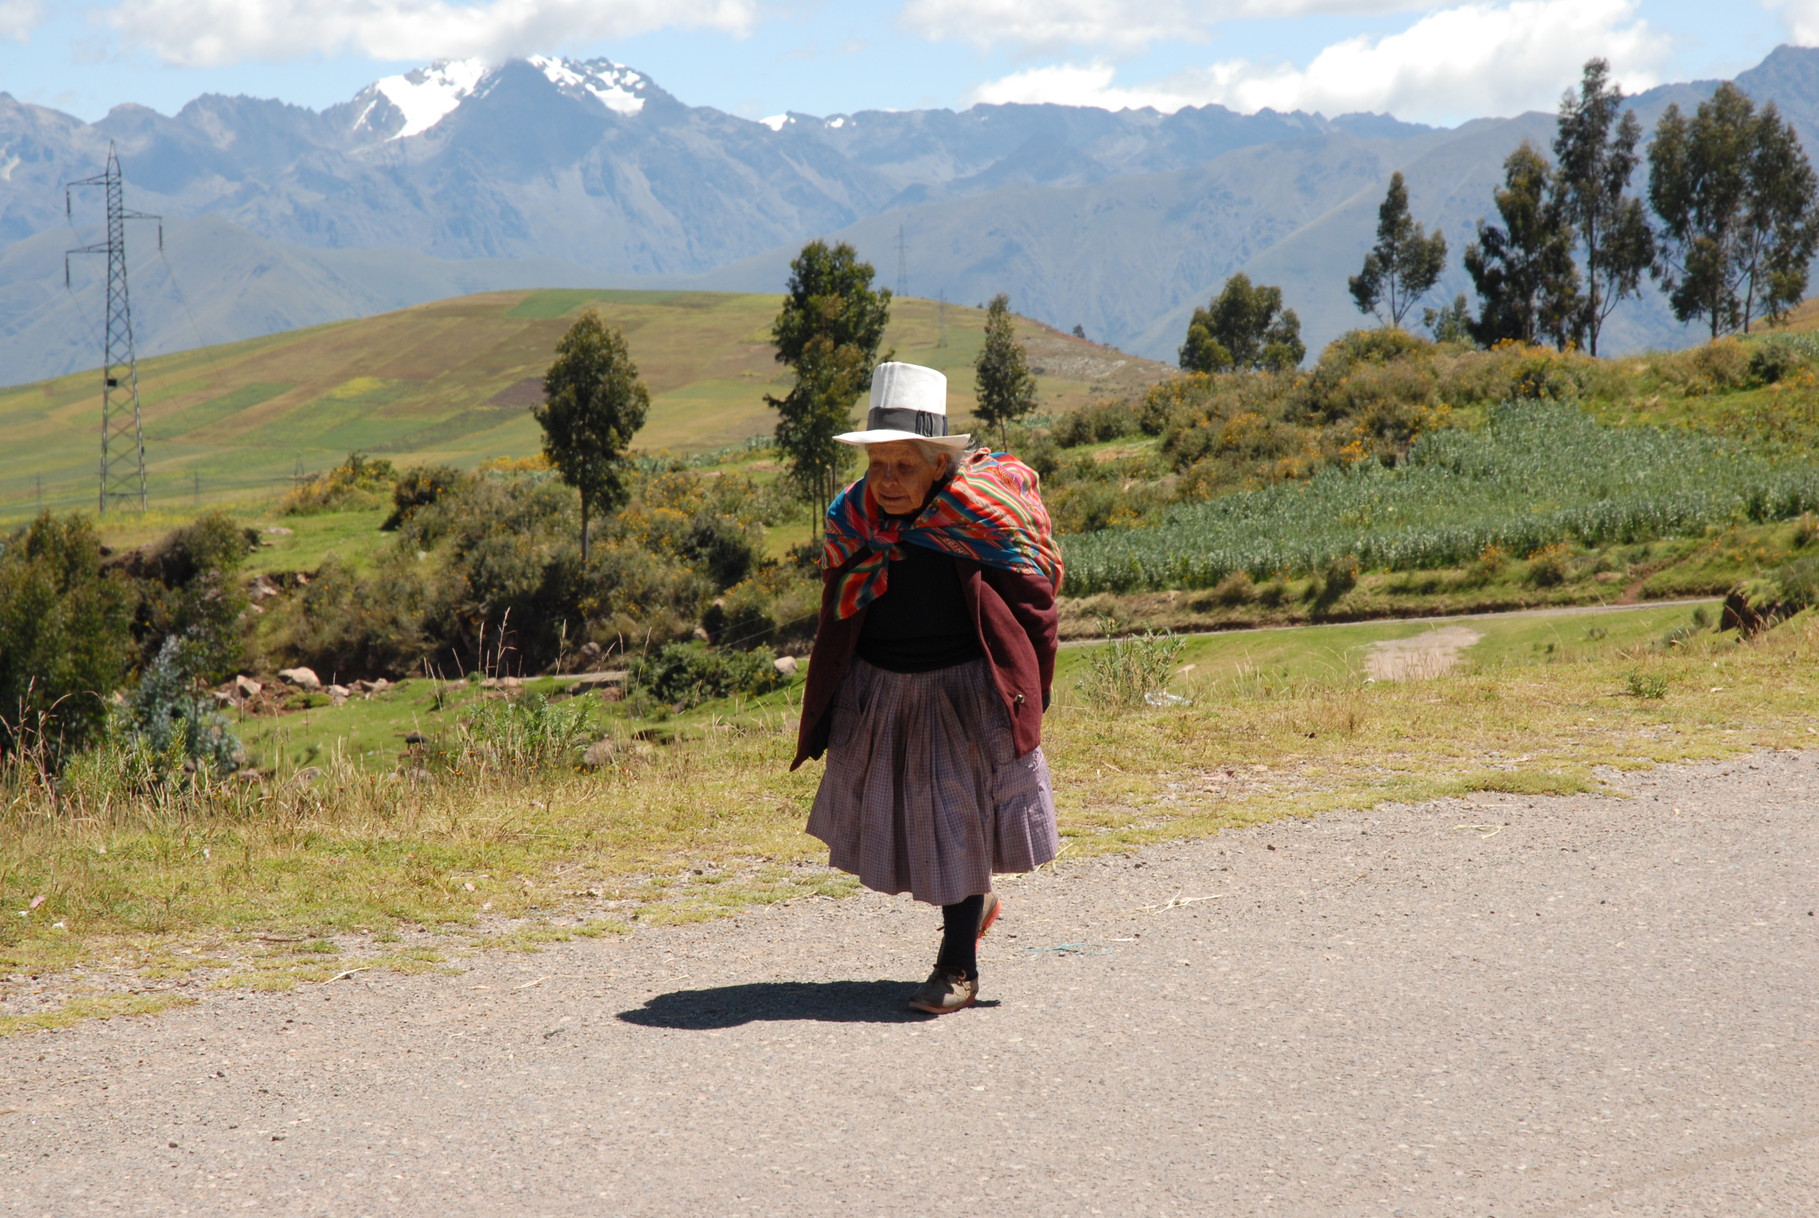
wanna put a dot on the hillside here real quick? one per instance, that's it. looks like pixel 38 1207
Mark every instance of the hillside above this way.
pixel 453 382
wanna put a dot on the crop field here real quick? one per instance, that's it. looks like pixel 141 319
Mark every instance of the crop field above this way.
pixel 1538 474
pixel 453 382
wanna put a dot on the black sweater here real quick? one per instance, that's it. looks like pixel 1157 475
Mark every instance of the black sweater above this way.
pixel 920 622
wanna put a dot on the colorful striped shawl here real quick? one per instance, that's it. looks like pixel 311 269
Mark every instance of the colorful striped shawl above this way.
pixel 989 511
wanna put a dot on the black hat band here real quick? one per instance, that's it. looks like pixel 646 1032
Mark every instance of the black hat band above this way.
pixel 900 418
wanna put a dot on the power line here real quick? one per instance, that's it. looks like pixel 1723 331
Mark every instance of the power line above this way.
pixel 122 432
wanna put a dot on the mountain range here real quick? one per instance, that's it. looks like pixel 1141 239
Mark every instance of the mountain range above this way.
pixel 461 177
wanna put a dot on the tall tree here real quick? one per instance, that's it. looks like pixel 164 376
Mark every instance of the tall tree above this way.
pixel 1523 270
pixel 593 404
pixel 1403 265
pixel 1735 196
pixel 828 333
pixel 1245 327
pixel 1595 155
pixel 1006 387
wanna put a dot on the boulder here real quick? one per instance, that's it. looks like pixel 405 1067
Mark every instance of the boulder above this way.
pixel 589 652
pixel 302 678
pixel 246 687
pixel 262 588
pixel 786 665
pixel 337 694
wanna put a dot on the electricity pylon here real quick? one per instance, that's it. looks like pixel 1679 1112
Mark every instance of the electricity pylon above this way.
pixel 122 436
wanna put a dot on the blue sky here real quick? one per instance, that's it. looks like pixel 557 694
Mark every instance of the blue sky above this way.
pixel 1438 63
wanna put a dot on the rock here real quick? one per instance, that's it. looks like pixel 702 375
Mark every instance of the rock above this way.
pixel 599 753
pixel 276 530
pixel 337 694
pixel 589 652
pixel 223 698
pixel 302 678
pixel 262 588
pixel 502 683
pixel 306 777
pixel 701 635
pixel 786 665
pixel 598 680
pixel 613 693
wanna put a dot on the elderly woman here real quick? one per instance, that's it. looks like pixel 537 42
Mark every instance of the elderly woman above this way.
pixel 931 670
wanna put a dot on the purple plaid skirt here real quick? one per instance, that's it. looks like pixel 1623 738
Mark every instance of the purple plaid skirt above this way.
pixel 923 792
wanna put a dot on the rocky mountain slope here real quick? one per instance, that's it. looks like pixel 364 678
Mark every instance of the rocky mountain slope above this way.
pixel 1119 222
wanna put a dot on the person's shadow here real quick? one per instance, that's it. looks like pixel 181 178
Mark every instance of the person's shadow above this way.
pixel 729 1006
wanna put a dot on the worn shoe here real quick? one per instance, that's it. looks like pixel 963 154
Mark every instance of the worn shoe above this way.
pixel 989 913
pixel 946 990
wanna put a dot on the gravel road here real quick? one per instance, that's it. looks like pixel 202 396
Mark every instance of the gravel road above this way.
pixel 1494 1006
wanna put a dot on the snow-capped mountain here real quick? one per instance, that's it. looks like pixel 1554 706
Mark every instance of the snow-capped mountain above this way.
pixel 398 107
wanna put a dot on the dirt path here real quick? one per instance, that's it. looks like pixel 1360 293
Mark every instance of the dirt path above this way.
pixel 1425 655
pixel 1498 1006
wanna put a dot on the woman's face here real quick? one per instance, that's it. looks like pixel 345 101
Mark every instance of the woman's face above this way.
pixel 900 477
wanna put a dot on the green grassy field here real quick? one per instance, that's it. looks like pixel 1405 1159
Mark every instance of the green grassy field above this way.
pixel 453 381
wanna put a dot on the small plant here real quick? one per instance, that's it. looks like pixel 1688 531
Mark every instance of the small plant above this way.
pixel 1650 686
pixel 1806 531
pixel 176 724
pixel 522 734
pixel 1130 670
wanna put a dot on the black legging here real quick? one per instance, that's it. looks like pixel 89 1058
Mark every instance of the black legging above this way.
pixel 960 935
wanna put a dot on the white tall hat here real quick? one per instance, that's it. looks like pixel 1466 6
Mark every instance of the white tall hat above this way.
pixel 909 402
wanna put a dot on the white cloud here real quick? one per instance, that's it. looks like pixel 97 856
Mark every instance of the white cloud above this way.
pixel 18 18
pixel 1802 20
pixel 1114 25
pixel 210 33
pixel 1453 64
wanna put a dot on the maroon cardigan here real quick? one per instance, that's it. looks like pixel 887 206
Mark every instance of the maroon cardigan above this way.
pixel 1015 612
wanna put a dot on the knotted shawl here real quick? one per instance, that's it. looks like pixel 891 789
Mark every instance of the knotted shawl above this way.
pixel 988 511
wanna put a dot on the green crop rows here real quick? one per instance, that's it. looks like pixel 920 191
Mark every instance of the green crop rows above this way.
pixel 1538 474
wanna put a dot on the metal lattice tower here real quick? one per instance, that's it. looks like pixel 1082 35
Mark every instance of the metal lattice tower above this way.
pixel 122 437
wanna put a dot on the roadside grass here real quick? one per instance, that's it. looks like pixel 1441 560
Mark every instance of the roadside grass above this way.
pixel 295 883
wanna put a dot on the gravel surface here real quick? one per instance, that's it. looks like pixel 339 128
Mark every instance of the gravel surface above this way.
pixel 1494 1006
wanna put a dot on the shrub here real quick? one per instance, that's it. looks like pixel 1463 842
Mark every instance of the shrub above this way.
pixel 1547 566
pixel 345 624
pixel 189 590
pixel 681 675
pixel 359 481
pixel 66 639
pixel 420 487
pixel 1095 424
pixel 776 606
pixel 1712 367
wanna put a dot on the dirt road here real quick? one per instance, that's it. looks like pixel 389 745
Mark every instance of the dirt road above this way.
pixel 1498 1006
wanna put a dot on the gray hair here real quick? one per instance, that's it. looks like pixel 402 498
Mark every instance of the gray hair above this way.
pixel 932 452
